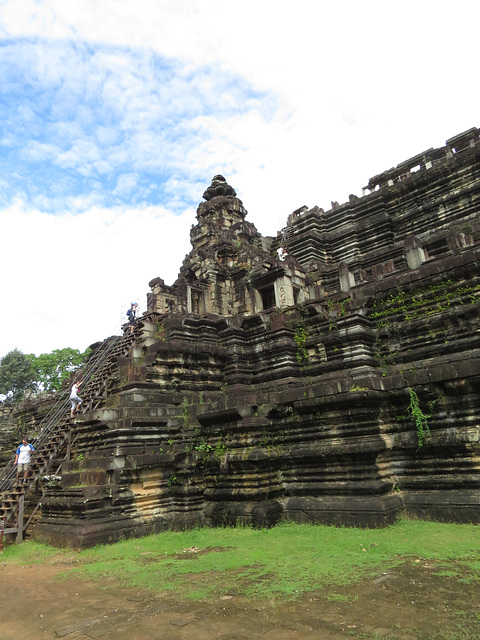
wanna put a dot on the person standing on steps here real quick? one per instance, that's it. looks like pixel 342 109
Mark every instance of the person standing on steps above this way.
pixel 132 315
pixel 74 399
pixel 22 459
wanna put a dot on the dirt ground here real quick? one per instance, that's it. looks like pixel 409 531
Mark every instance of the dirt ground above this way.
pixel 409 603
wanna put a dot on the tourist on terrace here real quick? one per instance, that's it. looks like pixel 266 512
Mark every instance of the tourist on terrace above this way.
pixel 22 459
pixel 74 399
pixel 132 315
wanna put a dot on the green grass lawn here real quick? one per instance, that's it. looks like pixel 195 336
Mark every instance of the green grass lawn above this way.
pixel 282 562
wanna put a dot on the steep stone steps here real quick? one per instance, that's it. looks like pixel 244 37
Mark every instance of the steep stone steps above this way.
pixel 58 429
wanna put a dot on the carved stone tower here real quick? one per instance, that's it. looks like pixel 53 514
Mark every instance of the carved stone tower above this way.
pixel 232 269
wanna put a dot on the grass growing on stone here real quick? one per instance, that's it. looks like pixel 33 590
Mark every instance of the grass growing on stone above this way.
pixel 279 563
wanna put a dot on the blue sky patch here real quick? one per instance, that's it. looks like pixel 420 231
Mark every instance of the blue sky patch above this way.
pixel 87 125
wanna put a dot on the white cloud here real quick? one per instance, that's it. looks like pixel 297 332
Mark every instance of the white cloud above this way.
pixel 38 151
pixel 295 103
pixel 125 184
pixel 66 278
pixel 148 115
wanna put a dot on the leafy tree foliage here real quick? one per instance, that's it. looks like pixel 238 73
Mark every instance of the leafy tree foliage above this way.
pixel 16 374
pixel 51 369
pixel 21 372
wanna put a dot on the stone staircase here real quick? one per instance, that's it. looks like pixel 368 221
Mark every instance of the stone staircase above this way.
pixel 58 430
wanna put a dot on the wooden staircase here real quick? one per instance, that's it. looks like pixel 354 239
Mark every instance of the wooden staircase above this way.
pixel 57 430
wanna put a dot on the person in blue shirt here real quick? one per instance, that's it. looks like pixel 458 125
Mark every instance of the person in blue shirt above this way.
pixel 132 315
pixel 22 459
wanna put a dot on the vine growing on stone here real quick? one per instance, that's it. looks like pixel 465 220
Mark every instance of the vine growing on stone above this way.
pixel 420 418
pixel 300 338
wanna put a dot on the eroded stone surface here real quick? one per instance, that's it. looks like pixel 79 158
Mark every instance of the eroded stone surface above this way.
pixel 261 389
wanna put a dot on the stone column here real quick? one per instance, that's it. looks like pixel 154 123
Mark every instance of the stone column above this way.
pixel 415 254
pixel 347 279
pixel 357 339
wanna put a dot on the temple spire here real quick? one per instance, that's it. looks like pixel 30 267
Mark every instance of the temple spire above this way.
pixel 219 187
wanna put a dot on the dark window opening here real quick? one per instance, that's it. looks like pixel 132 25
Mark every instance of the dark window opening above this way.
pixel 268 297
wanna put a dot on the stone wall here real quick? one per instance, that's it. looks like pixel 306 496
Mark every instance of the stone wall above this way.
pixel 339 385
pixel 8 433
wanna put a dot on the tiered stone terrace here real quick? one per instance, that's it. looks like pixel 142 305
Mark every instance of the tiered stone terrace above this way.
pixel 261 389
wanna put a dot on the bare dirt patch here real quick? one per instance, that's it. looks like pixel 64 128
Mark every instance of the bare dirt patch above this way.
pixel 410 602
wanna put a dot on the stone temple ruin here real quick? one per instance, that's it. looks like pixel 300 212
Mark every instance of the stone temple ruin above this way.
pixel 340 384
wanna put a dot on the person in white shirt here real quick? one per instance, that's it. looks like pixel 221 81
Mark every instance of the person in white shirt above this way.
pixel 74 399
pixel 22 459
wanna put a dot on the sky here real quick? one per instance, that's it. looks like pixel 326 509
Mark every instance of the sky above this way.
pixel 116 114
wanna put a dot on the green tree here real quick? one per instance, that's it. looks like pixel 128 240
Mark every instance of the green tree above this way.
pixel 51 369
pixel 16 375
